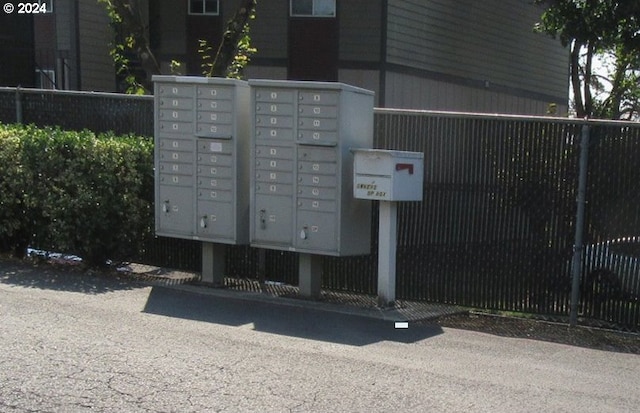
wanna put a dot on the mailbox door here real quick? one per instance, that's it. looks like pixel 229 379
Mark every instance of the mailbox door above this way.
pixel 214 219
pixel 175 212
pixel 272 219
pixel 316 231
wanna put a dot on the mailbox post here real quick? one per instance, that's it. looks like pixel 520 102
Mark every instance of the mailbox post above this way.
pixel 387 176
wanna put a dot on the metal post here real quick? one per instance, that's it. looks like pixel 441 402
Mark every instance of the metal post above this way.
pixel 18 105
pixel 213 263
pixel 387 230
pixel 576 264
pixel 310 275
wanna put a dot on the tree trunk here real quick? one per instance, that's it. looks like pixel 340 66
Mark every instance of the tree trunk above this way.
pixel 134 24
pixel 232 35
pixel 575 79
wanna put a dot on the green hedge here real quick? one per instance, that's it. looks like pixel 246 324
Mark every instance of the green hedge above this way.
pixel 75 192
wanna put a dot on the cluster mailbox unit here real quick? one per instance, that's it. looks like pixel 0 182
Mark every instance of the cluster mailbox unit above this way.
pixel 301 181
pixel 301 176
pixel 202 163
pixel 264 162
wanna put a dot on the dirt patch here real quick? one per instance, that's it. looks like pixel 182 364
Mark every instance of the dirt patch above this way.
pixel 588 337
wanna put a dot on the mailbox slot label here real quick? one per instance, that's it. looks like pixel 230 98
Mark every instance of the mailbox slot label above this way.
pixel 373 187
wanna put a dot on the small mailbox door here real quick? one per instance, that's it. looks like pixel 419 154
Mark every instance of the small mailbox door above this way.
pixel 388 175
pixel 273 219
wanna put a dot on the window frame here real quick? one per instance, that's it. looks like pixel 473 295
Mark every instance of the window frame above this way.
pixel 204 8
pixel 46 79
pixel 313 11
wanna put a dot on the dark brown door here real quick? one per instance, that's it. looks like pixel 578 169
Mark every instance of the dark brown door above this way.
pixel 199 27
pixel 313 48
pixel 17 64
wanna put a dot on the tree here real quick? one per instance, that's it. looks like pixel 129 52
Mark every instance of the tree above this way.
pixel 131 30
pixel 599 28
pixel 131 27
pixel 235 49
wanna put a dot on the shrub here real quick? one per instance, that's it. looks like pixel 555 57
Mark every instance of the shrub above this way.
pixel 76 192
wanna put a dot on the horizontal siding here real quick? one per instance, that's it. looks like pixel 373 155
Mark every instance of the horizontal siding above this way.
pixel 411 92
pixel 490 40
pixel 366 79
pixel 95 36
pixel 360 29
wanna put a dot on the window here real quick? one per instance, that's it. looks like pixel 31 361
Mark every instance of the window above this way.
pixel 313 8
pixel 45 79
pixel 204 7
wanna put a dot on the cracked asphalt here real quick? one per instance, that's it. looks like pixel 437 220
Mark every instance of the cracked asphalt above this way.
pixel 73 342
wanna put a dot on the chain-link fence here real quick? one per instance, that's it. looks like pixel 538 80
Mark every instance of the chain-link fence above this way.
pixel 99 112
pixel 497 225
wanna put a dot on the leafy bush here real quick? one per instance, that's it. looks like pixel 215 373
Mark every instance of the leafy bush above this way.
pixel 75 192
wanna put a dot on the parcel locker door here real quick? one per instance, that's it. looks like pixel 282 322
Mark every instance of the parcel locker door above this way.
pixel 215 220
pixel 272 220
pixel 316 231
pixel 175 210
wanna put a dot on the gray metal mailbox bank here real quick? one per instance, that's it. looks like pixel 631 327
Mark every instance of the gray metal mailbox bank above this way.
pixel 301 177
pixel 202 161
pixel 301 171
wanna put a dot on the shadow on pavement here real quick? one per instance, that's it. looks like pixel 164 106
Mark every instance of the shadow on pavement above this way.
pixel 62 279
pixel 281 319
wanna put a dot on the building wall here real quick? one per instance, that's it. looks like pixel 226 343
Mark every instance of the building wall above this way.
pixel 17 50
pixel 366 79
pixel 478 44
pixel 65 12
pixel 359 28
pixel 441 55
pixel 254 71
pixel 405 91
pixel 360 23
pixel 94 39
pixel 269 31
pixel 169 33
pixel 66 37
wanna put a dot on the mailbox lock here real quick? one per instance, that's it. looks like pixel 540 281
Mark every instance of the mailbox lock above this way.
pixel 263 221
pixel 165 206
pixel 303 232
pixel 203 222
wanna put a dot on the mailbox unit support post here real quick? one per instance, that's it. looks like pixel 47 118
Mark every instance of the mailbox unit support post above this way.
pixel 213 255
pixel 309 275
pixel 387 230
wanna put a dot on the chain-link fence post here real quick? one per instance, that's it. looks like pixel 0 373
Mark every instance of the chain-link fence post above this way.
pixel 576 264
pixel 18 105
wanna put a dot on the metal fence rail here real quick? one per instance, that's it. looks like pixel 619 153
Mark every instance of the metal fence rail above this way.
pixel 497 223
pixel 99 112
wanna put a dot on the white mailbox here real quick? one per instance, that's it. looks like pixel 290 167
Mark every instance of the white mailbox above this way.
pixel 387 175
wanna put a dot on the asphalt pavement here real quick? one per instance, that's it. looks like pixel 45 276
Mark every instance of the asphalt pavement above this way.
pixel 76 342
